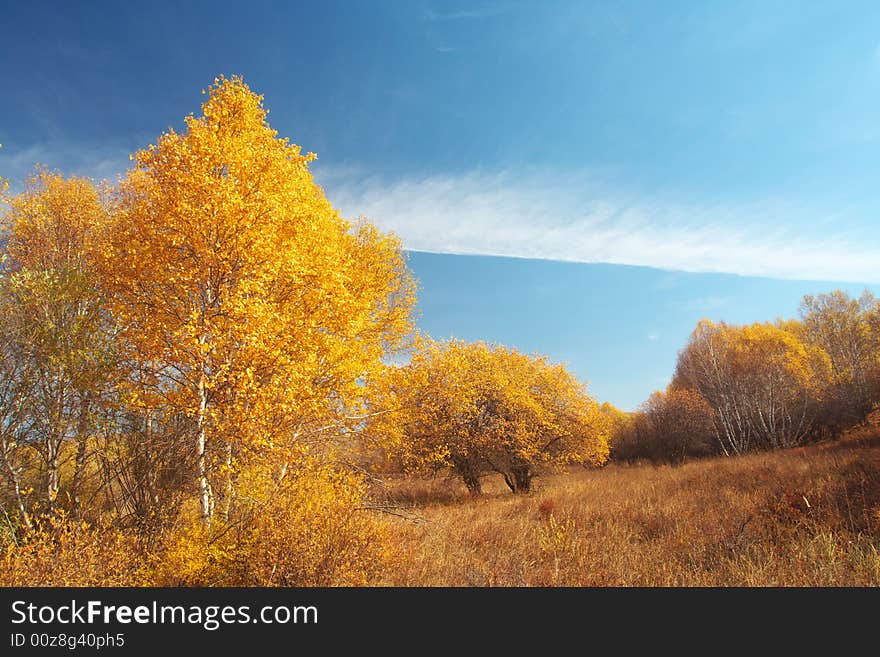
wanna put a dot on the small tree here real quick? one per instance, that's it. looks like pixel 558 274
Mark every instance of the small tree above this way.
pixel 477 408
pixel 848 330
pixel 670 426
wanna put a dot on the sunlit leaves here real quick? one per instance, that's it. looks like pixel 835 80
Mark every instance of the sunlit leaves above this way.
pixel 479 408
pixel 55 318
pixel 253 305
pixel 763 382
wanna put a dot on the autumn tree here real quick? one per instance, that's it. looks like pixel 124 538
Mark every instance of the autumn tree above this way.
pixel 477 408
pixel 848 330
pixel 56 332
pixel 247 305
pixel 15 398
pixel 617 421
pixel 762 382
pixel 671 425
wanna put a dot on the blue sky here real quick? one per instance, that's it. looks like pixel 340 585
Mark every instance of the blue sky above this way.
pixel 723 157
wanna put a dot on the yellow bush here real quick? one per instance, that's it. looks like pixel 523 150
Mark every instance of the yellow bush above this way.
pixel 62 552
pixel 315 532
pixel 191 555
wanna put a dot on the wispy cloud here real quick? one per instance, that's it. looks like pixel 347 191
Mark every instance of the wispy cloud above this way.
pixel 578 219
pixel 463 14
pixel 566 218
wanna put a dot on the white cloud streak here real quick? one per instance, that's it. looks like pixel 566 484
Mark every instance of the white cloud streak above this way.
pixel 466 14
pixel 565 218
pixel 577 219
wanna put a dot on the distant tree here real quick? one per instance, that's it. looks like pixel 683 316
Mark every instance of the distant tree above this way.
pixel 670 426
pixel 762 382
pixel 477 408
pixel 675 425
pixel 848 330
pixel 617 422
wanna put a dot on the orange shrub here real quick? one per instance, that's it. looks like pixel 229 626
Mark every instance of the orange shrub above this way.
pixel 61 552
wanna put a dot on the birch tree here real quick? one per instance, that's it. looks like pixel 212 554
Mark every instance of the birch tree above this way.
pixel 247 303
pixel 848 330
pixel 57 316
pixel 763 383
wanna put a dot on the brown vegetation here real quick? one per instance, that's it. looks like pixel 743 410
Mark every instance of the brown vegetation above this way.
pixel 807 516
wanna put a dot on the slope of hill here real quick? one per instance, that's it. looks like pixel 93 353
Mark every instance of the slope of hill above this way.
pixel 801 517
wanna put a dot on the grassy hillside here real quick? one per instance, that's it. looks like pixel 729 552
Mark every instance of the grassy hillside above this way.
pixel 803 517
pixel 800 517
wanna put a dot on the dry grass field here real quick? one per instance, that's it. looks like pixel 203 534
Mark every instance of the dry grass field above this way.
pixel 808 516
pixel 801 517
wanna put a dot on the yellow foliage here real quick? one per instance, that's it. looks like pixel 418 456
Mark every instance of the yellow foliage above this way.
pixel 191 555
pixel 762 381
pixel 478 408
pixel 248 304
pixel 55 325
pixel 316 531
pixel 62 552
pixel 51 224
pixel 848 330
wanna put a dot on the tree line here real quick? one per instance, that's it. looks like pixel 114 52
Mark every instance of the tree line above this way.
pixel 764 386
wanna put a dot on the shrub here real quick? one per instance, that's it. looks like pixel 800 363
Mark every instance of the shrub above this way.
pixel 317 531
pixel 62 552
